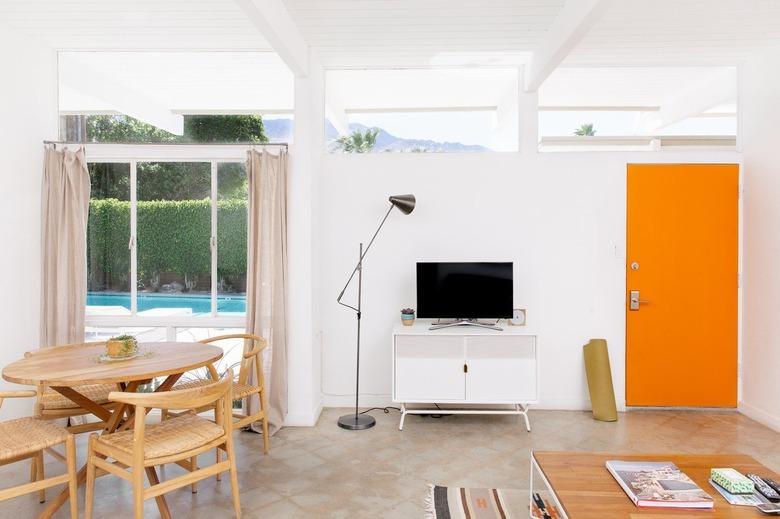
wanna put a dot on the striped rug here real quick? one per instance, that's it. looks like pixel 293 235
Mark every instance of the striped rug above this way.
pixel 476 503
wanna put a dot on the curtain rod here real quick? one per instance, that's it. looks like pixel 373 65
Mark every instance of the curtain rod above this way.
pixel 283 144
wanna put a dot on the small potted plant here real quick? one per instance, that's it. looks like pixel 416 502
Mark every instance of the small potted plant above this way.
pixel 121 346
pixel 407 316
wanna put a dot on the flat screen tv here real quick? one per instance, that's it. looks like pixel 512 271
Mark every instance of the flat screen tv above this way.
pixel 464 290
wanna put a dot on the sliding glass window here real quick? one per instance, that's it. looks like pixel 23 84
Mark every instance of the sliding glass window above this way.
pixel 167 239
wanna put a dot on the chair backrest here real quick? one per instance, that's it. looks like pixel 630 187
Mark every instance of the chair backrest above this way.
pixel 252 357
pixel 58 349
pixel 23 393
pixel 178 398
pixel 219 391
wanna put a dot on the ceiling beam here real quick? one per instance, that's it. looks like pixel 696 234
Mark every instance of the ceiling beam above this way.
pixel 572 23
pixel 274 22
pixel 712 90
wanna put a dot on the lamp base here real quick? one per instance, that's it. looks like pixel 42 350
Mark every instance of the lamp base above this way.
pixel 356 422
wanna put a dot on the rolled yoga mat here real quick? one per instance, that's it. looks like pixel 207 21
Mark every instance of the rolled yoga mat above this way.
pixel 602 394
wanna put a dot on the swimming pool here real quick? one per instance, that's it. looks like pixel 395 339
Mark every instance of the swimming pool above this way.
pixel 199 304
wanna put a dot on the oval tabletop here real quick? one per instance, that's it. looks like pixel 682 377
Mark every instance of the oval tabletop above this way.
pixel 79 366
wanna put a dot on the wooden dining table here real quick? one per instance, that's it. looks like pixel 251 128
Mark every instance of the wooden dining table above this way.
pixel 63 370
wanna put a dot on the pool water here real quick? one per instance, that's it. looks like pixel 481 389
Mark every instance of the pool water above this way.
pixel 199 304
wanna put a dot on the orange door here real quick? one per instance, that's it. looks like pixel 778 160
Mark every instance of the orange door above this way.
pixel 681 265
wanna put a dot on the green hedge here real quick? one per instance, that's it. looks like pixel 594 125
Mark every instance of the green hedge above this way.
pixel 173 237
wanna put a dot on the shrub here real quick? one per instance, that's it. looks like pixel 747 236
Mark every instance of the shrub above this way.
pixel 173 236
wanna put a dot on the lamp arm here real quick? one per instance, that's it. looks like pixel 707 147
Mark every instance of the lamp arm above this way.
pixel 360 261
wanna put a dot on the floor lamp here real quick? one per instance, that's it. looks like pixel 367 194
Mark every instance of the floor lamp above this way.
pixel 357 421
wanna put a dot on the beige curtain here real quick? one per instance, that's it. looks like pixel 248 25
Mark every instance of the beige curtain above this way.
pixel 267 274
pixel 65 208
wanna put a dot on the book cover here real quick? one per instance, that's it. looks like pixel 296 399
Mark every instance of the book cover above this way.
pixel 658 484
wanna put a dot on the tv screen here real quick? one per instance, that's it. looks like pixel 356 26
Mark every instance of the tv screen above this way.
pixel 464 290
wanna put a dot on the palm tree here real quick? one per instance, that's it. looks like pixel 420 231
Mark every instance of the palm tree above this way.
pixel 585 130
pixel 359 141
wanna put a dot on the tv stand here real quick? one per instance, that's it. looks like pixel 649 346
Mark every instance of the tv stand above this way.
pixel 468 370
pixel 438 325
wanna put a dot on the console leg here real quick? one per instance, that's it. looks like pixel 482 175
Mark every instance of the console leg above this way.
pixel 525 416
pixel 403 417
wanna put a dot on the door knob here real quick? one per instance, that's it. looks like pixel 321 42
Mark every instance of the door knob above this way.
pixel 634 301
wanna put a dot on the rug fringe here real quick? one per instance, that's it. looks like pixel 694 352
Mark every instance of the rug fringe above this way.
pixel 430 504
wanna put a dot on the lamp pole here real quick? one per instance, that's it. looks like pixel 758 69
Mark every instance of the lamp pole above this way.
pixel 357 421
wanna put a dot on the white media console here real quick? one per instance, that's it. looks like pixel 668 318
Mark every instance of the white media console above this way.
pixel 480 371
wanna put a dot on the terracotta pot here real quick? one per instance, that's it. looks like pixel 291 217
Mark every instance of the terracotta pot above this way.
pixel 120 348
pixel 407 319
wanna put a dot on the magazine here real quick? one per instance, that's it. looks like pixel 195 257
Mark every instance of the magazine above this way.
pixel 658 484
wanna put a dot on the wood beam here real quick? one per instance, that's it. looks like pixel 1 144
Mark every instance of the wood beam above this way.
pixel 274 22
pixel 572 23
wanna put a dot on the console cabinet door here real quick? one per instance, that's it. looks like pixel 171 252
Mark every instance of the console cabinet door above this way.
pixel 429 369
pixel 501 369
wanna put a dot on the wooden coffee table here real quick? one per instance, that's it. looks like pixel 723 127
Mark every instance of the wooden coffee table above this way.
pixel 580 487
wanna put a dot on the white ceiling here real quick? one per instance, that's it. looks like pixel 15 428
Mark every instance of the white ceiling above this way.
pixel 670 32
pixel 414 33
pixel 382 33
pixel 134 25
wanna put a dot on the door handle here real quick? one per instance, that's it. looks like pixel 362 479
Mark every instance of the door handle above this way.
pixel 634 301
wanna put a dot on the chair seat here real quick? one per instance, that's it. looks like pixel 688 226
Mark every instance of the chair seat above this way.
pixel 28 435
pixel 240 390
pixel 167 438
pixel 98 393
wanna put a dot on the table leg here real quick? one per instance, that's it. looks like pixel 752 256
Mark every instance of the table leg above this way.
pixel 83 402
pixel 165 386
pixel 161 503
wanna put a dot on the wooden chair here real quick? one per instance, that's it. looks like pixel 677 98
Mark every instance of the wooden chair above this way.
pixel 51 405
pixel 27 438
pixel 242 389
pixel 176 440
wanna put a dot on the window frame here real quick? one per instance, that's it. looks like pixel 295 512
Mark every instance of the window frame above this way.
pixel 133 154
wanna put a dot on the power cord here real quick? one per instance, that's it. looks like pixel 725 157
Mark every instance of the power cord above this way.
pixel 386 410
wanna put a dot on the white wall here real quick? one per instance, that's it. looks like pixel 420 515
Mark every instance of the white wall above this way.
pixel 27 116
pixel 559 217
pixel 760 113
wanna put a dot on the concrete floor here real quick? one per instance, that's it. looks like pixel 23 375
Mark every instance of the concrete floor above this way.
pixel 327 472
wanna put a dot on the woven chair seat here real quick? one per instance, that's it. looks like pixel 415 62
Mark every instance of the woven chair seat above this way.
pixel 239 390
pixel 28 435
pixel 169 437
pixel 98 393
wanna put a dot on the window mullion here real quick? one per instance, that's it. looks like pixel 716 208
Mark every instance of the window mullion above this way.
pixel 213 242
pixel 133 240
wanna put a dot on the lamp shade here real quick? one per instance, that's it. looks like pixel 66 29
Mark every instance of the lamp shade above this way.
pixel 404 203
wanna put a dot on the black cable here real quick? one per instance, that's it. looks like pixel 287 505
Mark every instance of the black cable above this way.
pixel 386 410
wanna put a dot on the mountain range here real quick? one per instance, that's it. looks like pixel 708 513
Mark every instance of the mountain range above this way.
pixel 280 130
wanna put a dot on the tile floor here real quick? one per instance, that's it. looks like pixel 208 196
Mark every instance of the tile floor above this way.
pixel 327 472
